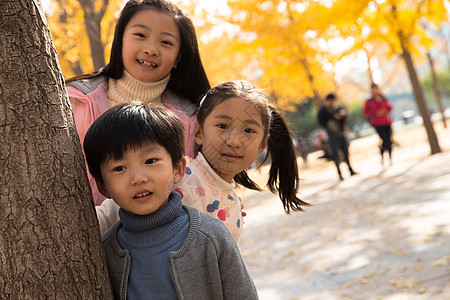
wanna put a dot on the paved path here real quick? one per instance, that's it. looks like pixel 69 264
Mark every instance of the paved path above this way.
pixel 383 234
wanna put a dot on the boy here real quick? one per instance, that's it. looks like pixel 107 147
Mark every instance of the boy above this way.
pixel 159 249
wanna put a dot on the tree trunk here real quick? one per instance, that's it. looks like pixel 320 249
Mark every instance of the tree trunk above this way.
pixel 76 68
pixel 92 21
pixel 420 100
pixel 50 246
pixel 417 89
pixel 369 67
pixel 316 97
pixel 437 92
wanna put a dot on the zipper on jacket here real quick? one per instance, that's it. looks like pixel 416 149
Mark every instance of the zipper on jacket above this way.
pixel 125 278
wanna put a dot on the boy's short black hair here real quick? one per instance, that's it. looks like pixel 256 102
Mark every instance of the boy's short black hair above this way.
pixel 130 126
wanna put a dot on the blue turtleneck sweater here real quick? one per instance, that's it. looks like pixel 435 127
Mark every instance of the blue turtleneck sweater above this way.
pixel 149 240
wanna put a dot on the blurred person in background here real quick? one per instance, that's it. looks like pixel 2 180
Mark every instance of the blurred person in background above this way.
pixel 334 119
pixel 378 109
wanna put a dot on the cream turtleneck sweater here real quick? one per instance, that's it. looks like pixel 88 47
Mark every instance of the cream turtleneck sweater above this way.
pixel 128 89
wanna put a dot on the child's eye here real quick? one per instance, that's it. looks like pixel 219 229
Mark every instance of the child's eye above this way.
pixel 249 130
pixel 222 126
pixel 138 34
pixel 119 169
pixel 167 43
pixel 150 161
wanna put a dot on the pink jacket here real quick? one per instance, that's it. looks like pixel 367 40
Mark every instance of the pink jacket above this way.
pixel 379 112
pixel 88 98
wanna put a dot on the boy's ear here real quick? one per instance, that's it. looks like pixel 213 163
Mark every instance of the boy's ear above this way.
pixel 102 189
pixel 198 134
pixel 263 144
pixel 179 170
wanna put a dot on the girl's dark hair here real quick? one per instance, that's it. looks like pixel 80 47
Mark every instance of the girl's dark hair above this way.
pixel 283 174
pixel 188 79
pixel 130 126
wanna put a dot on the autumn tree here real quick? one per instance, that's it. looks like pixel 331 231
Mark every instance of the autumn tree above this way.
pixel 402 21
pixel 395 24
pixel 279 37
pixel 83 31
pixel 50 245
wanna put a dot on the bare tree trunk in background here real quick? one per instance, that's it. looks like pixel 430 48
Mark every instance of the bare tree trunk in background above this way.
pixel 317 102
pixel 92 20
pixel 437 92
pixel 445 36
pixel 420 100
pixel 369 67
pixel 417 89
pixel 50 246
pixel 76 68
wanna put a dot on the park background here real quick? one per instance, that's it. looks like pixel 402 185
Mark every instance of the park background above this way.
pixel 388 237
pixel 298 51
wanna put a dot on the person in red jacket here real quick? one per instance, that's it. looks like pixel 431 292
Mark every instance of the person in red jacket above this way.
pixel 378 109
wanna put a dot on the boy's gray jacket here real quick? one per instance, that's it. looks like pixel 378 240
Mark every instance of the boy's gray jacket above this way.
pixel 208 265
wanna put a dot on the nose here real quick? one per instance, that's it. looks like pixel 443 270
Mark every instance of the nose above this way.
pixel 151 49
pixel 138 177
pixel 233 138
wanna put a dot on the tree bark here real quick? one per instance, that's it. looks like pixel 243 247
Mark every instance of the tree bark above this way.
pixel 436 90
pixel 420 100
pixel 50 246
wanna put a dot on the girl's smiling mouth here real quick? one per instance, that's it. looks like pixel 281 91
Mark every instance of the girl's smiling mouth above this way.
pixel 147 63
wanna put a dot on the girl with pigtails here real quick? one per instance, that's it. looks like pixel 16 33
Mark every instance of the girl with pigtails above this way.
pixel 235 123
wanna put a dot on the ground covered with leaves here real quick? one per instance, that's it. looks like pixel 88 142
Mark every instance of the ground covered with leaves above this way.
pixel 383 234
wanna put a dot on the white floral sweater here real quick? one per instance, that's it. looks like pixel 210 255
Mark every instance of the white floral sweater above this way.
pixel 202 188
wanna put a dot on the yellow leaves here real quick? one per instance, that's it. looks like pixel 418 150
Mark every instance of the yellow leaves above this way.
pixel 399 252
pixel 396 282
pixel 72 55
pixel 402 269
pixel 405 22
pixel 279 45
pixel 401 283
pixel 422 291
pixel 68 29
pixel 370 274
pixel 66 25
pixel 98 5
pixel 287 64
pixel 292 60
pixel 443 261
pixel 418 267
